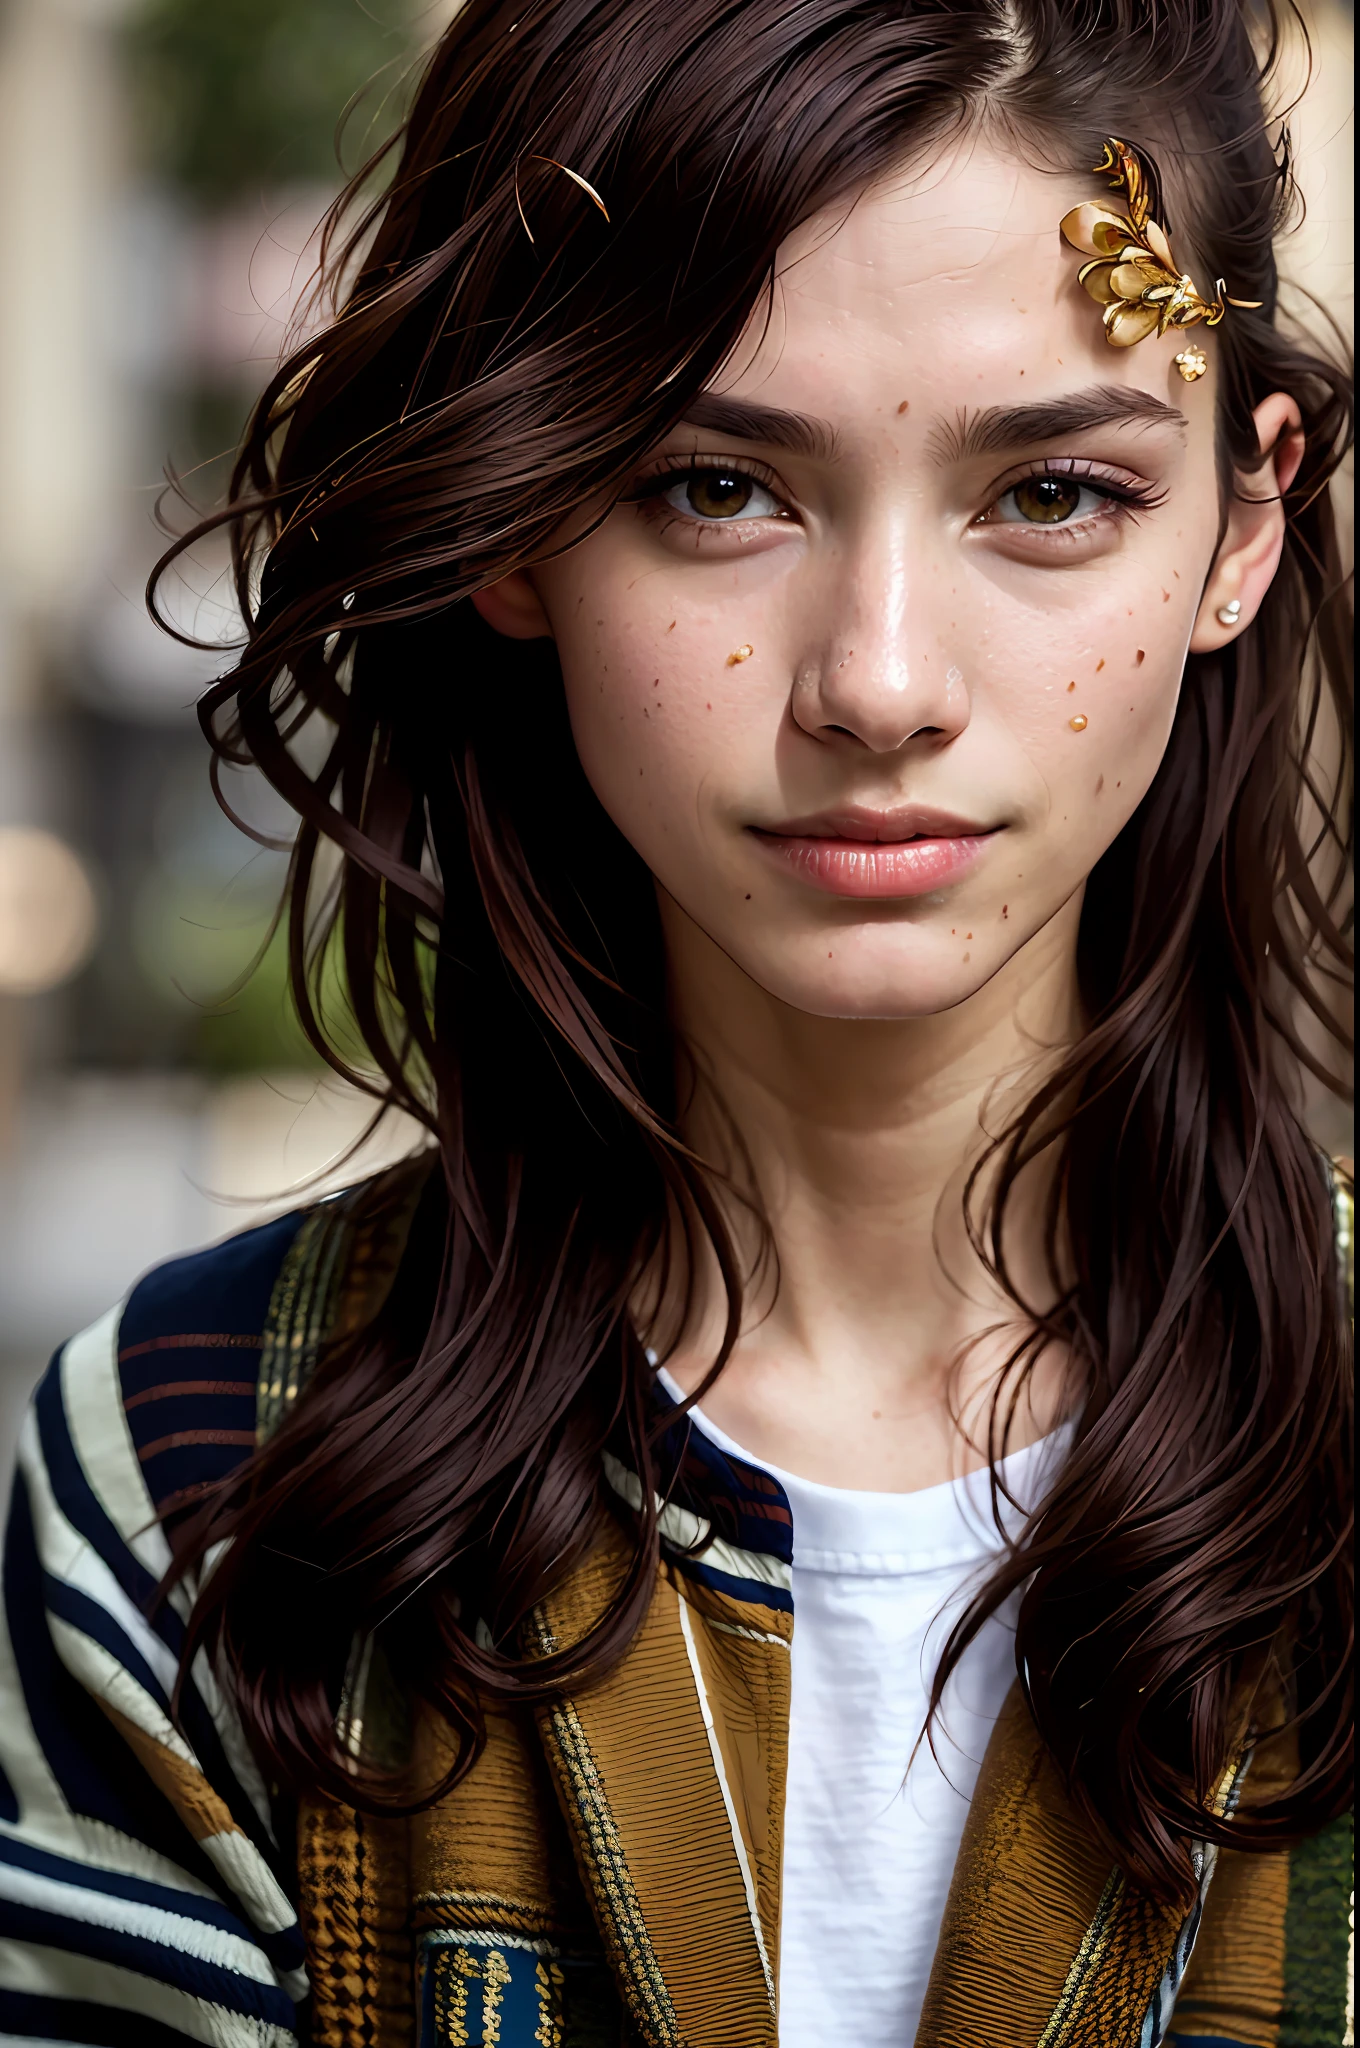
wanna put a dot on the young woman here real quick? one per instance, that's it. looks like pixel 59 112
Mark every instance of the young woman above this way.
pixel 797 602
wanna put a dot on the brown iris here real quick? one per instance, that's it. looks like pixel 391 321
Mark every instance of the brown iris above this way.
pixel 718 493
pixel 1047 499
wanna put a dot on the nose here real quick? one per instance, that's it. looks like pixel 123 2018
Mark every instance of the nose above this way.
pixel 878 675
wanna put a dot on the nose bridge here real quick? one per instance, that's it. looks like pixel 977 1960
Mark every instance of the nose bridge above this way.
pixel 882 671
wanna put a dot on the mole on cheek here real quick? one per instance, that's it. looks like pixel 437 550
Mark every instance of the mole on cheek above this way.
pixel 1140 657
pixel 904 406
pixel 1100 664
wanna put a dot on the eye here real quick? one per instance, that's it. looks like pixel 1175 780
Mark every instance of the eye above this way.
pixel 721 494
pixel 1050 500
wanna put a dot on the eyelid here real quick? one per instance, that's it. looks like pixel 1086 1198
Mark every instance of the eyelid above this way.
pixel 1084 469
pixel 664 470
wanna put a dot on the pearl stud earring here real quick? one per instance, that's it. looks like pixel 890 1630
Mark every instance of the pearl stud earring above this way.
pixel 1228 614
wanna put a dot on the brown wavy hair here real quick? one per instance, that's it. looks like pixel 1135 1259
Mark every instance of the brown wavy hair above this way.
pixel 500 353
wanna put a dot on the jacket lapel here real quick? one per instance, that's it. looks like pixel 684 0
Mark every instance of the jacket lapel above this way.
pixel 670 1775
pixel 1042 1940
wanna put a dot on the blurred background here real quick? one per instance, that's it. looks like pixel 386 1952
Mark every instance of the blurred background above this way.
pixel 165 164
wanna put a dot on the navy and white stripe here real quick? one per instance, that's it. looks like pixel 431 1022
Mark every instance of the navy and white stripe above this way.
pixel 142 1895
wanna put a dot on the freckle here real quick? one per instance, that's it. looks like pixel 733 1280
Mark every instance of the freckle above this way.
pixel 905 406
pixel 1140 657
pixel 968 935
pixel 1078 724
pixel 671 627
pixel 1166 597
pixel 1119 785
pixel 1071 686
pixel 967 956
pixel 1005 910
pixel 1177 574
pixel 748 896
pixel 953 931
pixel 828 956
pixel 599 622
pixel 710 707
pixel 1100 785
pixel 1100 664
pixel 743 653
pixel 877 1414
pixel 657 684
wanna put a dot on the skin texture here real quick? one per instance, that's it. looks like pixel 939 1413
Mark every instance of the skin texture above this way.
pixel 906 633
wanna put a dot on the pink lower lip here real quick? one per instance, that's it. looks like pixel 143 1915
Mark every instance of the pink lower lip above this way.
pixel 859 867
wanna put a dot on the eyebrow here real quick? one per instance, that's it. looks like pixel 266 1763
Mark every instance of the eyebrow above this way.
pixel 799 432
pixel 1014 426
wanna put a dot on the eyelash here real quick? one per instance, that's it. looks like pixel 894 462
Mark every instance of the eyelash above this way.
pixel 648 489
pixel 1126 495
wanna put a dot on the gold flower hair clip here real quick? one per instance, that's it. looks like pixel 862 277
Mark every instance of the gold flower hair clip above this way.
pixel 1133 273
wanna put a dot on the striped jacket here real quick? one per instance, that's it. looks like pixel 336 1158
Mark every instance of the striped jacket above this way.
pixel 607 1873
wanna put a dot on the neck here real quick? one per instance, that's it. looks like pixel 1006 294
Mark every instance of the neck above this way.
pixel 868 1360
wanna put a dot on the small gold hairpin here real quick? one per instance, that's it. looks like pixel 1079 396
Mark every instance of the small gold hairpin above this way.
pixel 1133 274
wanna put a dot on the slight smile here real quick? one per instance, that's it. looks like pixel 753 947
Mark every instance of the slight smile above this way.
pixel 867 853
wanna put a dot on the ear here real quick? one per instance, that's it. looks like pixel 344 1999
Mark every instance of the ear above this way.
pixel 1250 553
pixel 511 606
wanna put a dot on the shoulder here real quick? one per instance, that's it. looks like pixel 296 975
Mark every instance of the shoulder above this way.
pixel 158 1398
pixel 190 1340
pixel 173 1389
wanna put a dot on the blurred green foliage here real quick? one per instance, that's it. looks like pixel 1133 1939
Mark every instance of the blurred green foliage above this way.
pixel 236 96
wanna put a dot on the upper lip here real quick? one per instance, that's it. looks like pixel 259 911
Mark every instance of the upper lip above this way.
pixel 857 821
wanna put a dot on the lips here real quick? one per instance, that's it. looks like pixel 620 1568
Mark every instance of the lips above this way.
pixel 865 853
pixel 857 822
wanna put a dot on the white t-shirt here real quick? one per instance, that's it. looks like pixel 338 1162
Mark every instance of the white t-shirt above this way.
pixel 869 1846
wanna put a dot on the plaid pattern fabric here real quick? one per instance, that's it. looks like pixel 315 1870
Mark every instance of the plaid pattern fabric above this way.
pixel 607 1873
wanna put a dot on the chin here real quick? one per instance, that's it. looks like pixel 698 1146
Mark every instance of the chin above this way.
pixel 883 991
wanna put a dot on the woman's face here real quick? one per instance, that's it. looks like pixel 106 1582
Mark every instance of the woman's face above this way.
pixel 883 646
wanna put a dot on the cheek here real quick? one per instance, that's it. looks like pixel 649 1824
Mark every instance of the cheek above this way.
pixel 1092 702
pixel 659 694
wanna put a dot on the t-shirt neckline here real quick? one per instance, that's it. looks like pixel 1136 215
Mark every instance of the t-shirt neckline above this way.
pixel 842 1529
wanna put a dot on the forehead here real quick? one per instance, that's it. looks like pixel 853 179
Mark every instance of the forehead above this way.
pixel 948 284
